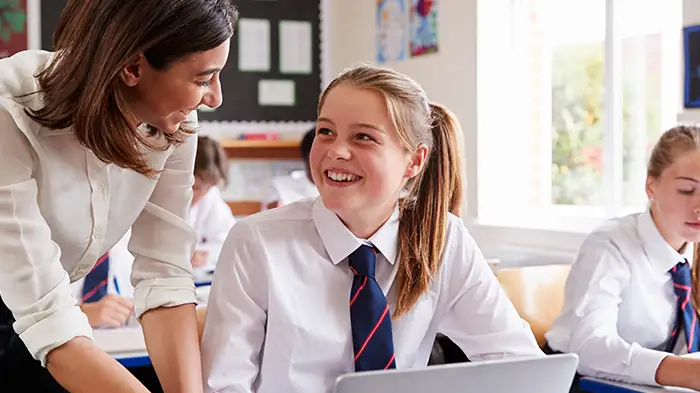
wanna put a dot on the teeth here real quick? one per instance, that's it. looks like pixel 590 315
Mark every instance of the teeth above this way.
pixel 337 176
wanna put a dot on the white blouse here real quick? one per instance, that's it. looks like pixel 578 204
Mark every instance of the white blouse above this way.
pixel 61 208
pixel 278 317
pixel 620 306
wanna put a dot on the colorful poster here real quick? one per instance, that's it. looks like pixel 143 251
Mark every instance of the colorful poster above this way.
pixel 424 26
pixel 13 27
pixel 392 30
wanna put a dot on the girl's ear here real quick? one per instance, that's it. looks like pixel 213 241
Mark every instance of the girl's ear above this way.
pixel 418 159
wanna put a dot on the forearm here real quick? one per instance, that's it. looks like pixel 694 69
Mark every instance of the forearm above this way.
pixel 679 371
pixel 80 366
pixel 173 345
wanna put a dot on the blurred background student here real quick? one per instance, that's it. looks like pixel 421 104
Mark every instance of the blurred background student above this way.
pixel 298 184
pixel 210 216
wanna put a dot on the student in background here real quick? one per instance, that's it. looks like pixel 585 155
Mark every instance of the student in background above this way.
pixel 630 302
pixel 210 216
pixel 298 184
pixel 299 290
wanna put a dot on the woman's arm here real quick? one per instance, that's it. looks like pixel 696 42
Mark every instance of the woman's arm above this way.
pixel 34 285
pixel 80 367
pixel 172 341
pixel 162 243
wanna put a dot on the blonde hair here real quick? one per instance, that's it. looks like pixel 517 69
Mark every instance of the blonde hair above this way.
pixel 436 191
pixel 672 144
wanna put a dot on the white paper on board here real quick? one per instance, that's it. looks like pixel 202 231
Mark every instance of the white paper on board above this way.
pixel 253 44
pixel 296 56
pixel 276 93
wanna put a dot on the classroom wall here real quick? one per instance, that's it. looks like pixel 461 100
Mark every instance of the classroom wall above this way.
pixel 691 12
pixel 449 77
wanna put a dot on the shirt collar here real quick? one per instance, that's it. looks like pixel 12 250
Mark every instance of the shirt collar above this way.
pixel 661 255
pixel 339 242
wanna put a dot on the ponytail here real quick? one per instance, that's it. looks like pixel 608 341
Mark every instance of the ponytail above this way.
pixel 436 191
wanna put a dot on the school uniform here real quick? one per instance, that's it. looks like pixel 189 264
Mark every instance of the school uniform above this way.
pixel 211 218
pixel 281 317
pixel 621 310
pixel 61 208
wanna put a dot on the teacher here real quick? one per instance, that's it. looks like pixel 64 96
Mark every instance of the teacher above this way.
pixel 94 139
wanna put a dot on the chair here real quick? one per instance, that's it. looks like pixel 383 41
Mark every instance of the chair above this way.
pixel 537 292
pixel 201 316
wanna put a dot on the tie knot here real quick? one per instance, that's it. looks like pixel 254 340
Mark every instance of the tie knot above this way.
pixel 363 260
pixel 681 273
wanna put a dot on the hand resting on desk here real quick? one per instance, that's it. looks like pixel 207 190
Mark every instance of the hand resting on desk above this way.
pixel 111 311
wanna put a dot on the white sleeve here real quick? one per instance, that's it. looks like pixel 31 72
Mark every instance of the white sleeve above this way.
pixel 479 316
pixel 234 331
pixel 162 240
pixel 33 283
pixel 596 282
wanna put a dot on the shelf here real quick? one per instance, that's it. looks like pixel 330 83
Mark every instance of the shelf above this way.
pixel 262 149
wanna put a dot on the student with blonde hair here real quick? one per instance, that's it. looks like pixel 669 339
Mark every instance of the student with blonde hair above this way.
pixel 632 295
pixel 365 276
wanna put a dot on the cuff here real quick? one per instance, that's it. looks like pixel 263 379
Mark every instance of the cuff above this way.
pixel 163 292
pixel 54 331
pixel 643 364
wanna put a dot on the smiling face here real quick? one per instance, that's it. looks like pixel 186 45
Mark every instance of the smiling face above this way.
pixel 675 199
pixel 357 160
pixel 164 98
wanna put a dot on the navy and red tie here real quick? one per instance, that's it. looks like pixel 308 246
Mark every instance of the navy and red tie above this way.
pixel 682 284
pixel 370 318
pixel 95 284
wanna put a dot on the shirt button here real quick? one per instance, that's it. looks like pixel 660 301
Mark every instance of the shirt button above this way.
pixel 101 186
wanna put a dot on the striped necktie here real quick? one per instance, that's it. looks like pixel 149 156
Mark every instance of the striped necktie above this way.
pixel 682 285
pixel 95 284
pixel 369 315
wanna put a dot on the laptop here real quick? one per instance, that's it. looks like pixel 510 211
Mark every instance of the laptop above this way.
pixel 545 374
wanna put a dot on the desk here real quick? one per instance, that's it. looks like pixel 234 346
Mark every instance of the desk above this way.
pixel 596 385
pixel 203 279
pixel 125 344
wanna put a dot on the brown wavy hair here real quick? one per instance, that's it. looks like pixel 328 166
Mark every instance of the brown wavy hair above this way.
pixel 94 41
pixel 436 191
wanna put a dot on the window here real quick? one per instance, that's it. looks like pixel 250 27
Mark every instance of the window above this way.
pixel 572 96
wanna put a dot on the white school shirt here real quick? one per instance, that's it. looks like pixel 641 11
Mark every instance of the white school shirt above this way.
pixel 211 218
pixel 620 306
pixel 120 262
pixel 61 208
pixel 278 317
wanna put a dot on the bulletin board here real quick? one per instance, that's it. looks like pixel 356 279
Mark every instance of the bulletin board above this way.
pixel 274 70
